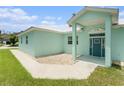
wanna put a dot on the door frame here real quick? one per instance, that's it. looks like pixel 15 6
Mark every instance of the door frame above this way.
pixel 102 37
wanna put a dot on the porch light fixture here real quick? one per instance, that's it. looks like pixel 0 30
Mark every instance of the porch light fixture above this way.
pixel 82 29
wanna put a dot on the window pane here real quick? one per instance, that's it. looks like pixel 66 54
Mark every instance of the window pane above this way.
pixel 69 39
pixel 21 40
pixel 69 42
pixel 77 40
pixel 26 39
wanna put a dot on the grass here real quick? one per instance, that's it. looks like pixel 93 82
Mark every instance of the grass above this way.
pixel 1 45
pixel 12 73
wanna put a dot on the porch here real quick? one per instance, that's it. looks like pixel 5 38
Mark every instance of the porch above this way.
pixel 100 61
pixel 94 20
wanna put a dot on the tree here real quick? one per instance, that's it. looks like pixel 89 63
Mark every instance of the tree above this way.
pixel 13 39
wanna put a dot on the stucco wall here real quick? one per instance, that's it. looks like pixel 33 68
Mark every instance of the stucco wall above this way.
pixel 67 47
pixel 83 43
pixel 118 44
pixel 28 48
pixel 46 43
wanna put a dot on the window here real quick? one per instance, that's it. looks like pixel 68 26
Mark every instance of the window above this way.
pixel 70 40
pixel 100 34
pixel 21 40
pixel 26 39
pixel 77 40
pixel 97 41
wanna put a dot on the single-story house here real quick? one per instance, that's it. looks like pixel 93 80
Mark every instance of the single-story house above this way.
pixel 99 35
pixel 4 40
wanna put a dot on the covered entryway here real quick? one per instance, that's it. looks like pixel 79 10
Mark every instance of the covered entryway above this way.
pixel 91 17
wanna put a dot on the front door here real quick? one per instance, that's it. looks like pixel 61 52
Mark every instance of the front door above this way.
pixel 97 47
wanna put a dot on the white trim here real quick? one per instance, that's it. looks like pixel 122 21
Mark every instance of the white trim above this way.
pixel 95 32
pixel 30 29
pixel 98 37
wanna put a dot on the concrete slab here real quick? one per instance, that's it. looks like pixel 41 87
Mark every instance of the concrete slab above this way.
pixel 79 70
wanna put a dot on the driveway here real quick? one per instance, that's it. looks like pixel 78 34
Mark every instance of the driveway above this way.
pixel 79 70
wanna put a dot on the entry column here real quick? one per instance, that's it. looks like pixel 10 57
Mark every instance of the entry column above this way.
pixel 108 24
pixel 74 45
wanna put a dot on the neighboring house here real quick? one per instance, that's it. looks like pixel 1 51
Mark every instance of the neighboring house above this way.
pixel 4 41
pixel 100 35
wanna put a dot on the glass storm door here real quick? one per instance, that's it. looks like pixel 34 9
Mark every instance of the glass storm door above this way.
pixel 97 47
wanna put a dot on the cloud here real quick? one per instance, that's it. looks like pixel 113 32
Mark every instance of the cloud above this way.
pixel 59 27
pixel 16 19
pixel 121 14
pixel 8 27
pixel 45 22
pixel 59 18
pixel 121 21
pixel 16 15
pixel 121 17
pixel 106 6
pixel 54 23
pixel 49 18
pixel 52 18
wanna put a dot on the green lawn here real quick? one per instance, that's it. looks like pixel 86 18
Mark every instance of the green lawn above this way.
pixel 12 73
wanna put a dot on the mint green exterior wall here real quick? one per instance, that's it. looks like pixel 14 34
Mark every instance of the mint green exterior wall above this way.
pixel 90 15
pixel 67 47
pixel 46 43
pixel 118 44
pixel 41 43
pixel 83 43
pixel 28 48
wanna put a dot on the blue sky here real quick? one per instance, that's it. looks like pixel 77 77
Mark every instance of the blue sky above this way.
pixel 18 18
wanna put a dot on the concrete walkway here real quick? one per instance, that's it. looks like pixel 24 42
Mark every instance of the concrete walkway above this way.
pixel 7 47
pixel 79 70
